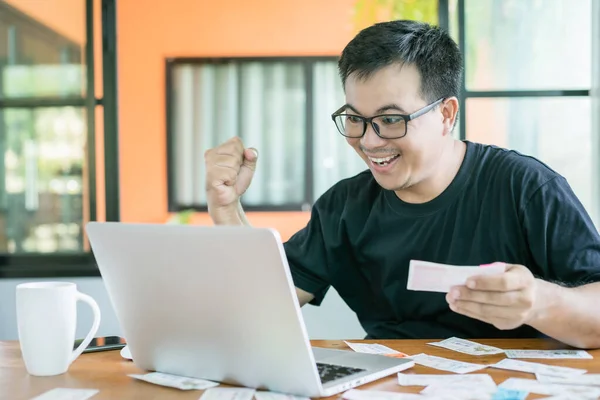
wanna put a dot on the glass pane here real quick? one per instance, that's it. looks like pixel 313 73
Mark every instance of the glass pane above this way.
pixel 528 44
pixel 41 206
pixel 333 158
pixel 453 19
pixel 557 131
pixel 264 103
pixel 42 48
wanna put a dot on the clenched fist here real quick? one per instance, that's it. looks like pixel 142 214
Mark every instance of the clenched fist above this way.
pixel 229 171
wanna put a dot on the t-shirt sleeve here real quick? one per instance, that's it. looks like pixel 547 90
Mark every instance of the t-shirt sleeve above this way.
pixel 306 254
pixel 563 240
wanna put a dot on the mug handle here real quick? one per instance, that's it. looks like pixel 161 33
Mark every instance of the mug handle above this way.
pixel 96 310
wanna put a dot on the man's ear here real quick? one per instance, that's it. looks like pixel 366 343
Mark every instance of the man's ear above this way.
pixel 449 110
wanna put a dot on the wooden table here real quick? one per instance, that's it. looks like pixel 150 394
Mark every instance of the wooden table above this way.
pixel 107 371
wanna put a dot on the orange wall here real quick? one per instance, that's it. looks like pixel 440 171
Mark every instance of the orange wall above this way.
pixel 202 28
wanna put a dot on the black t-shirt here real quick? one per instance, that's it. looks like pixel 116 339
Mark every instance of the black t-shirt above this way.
pixel 501 206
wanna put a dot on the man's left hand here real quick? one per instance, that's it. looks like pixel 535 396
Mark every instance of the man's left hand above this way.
pixel 506 300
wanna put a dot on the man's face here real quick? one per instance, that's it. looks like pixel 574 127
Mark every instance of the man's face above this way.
pixel 396 90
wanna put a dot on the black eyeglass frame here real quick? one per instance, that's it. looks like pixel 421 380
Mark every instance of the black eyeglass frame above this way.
pixel 369 120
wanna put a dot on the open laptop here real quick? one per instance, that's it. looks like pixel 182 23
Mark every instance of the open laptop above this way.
pixel 219 303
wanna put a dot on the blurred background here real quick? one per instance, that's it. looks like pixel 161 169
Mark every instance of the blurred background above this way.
pixel 107 106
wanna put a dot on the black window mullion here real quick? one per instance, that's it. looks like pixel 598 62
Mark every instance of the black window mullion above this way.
pixel 171 169
pixel 462 112
pixel 309 151
pixel 526 93
pixel 111 121
pixel 90 101
pixel 43 102
pixel 3 141
pixel 443 15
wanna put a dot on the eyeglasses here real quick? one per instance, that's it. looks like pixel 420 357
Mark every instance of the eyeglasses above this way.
pixel 386 126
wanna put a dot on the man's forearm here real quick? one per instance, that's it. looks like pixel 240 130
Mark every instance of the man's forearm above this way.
pixel 237 216
pixel 569 314
pixel 230 216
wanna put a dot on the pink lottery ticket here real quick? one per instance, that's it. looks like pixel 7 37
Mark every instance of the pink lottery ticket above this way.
pixel 434 277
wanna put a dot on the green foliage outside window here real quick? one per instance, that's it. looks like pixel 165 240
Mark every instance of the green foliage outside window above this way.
pixel 368 12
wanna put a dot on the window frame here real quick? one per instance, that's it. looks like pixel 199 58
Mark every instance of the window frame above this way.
pixel 466 94
pixel 45 265
pixel 307 65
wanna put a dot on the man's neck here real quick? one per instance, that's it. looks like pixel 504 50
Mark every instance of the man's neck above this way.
pixel 446 170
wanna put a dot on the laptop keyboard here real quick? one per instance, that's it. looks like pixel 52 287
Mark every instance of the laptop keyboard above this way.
pixel 330 372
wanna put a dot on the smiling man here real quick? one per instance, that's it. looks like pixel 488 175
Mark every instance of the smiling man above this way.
pixel 428 196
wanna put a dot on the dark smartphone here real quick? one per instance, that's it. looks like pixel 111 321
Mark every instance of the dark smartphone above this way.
pixel 102 344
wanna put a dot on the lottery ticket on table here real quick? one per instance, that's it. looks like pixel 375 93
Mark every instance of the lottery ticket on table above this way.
pixel 567 396
pixel 67 394
pixel 356 394
pixel 537 368
pixel 585 380
pixel 375 348
pixel 233 393
pixel 427 380
pixel 549 389
pixel 434 277
pixel 260 395
pixel 509 394
pixel 175 381
pixel 461 390
pixel 467 347
pixel 446 364
pixel 548 354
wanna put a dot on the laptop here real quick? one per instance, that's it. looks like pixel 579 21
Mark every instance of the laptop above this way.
pixel 219 303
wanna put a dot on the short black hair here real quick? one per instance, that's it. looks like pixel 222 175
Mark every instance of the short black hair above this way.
pixel 429 48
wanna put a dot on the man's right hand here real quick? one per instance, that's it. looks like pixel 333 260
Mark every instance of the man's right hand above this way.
pixel 229 171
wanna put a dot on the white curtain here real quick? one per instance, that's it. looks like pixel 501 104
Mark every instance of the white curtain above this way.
pixel 183 79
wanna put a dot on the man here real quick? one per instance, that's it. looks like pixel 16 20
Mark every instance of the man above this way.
pixel 427 196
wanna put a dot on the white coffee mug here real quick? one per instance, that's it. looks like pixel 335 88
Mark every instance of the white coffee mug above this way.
pixel 46 319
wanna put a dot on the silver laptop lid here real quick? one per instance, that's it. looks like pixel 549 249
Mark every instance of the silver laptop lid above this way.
pixel 210 302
